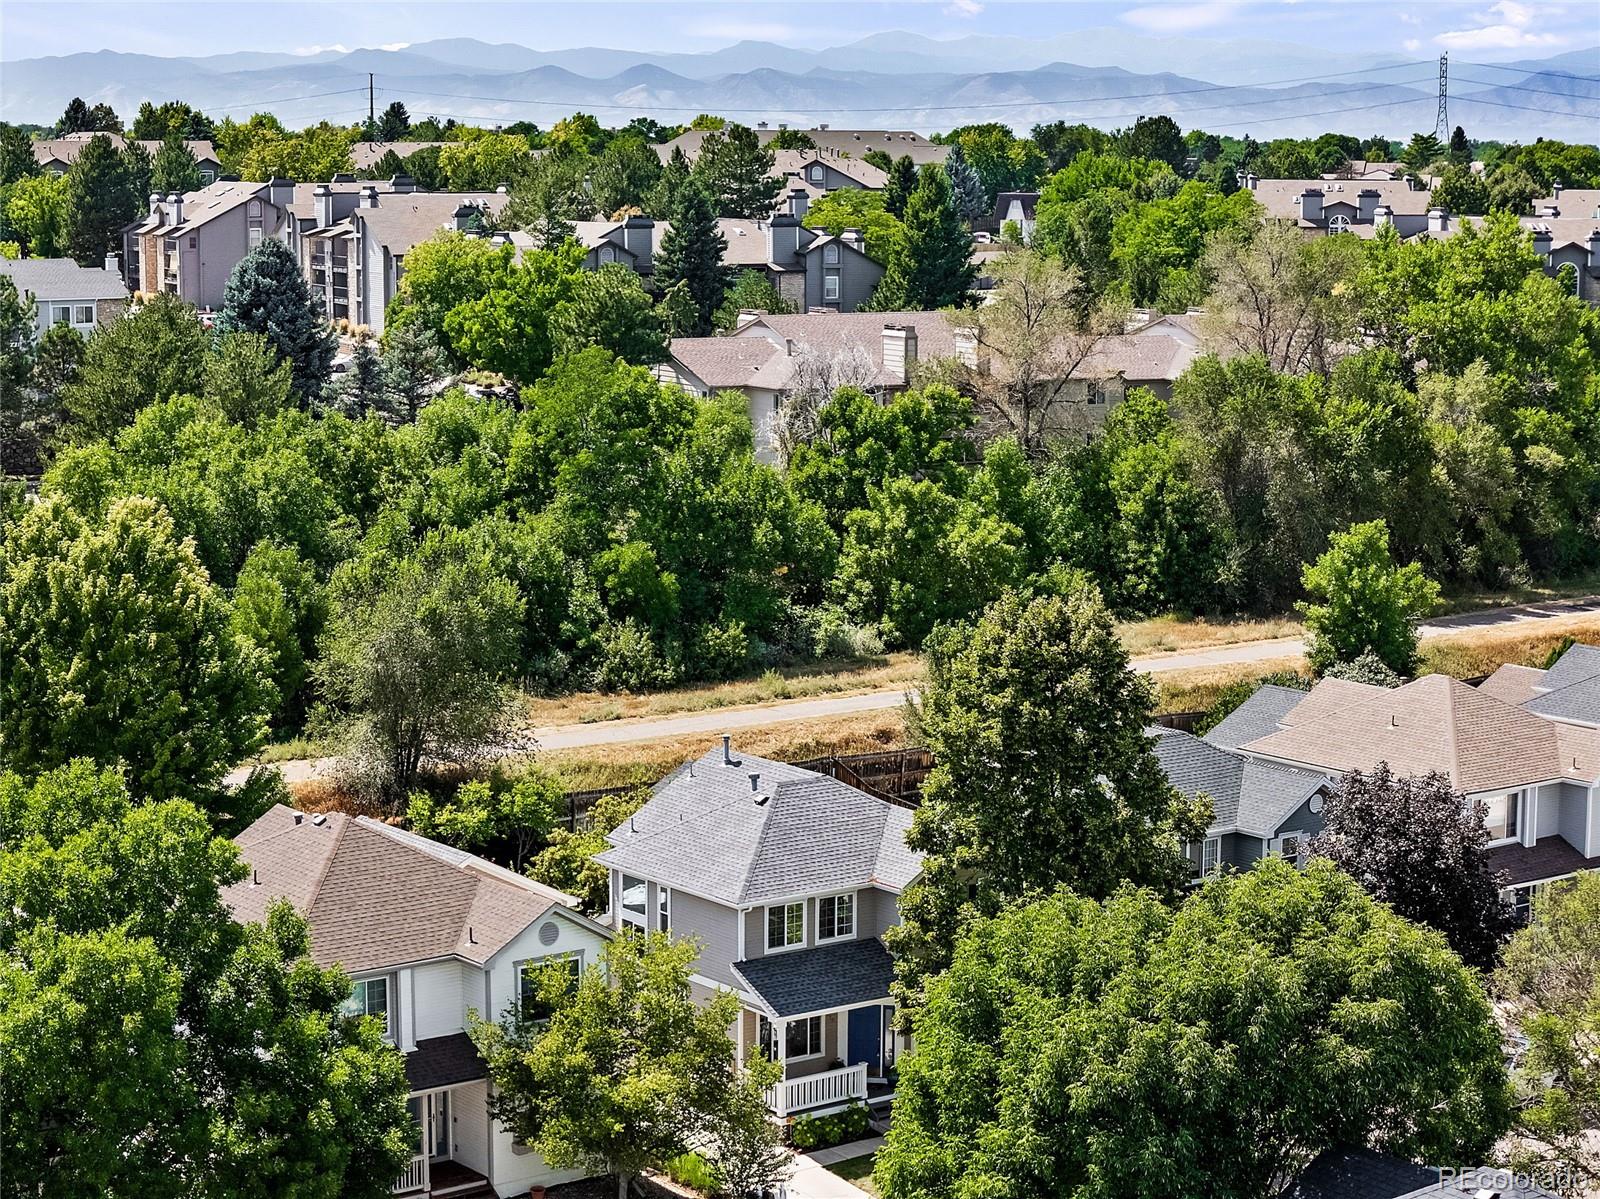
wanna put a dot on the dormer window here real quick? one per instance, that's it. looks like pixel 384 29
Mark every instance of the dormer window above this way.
pixel 836 917
pixel 1339 224
pixel 816 172
pixel 830 253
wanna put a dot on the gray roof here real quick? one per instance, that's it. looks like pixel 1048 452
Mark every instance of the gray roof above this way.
pixel 704 832
pixel 1578 702
pixel 815 980
pixel 1256 717
pixel 444 1062
pixel 1247 795
pixel 63 279
pixel 1578 663
pixel 402 219
pixel 1362 1174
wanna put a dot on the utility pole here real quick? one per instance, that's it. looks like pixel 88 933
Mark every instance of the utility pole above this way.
pixel 1441 127
pixel 372 116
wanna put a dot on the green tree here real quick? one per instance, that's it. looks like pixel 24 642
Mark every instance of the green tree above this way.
pixel 750 291
pixel 857 208
pixel 99 202
pixel 279 607
pixel 16 155
pixel 395 123
pixel 246 379
pixel 1513 190
pixel 662 201
pixel 483 163
pixel 931 267
pixel 736 171
pixel 630 1069
pixel 1422 151
pixel 317 153
pixel 1461 190
pixel 175 168
pixel 567 862
pixel 901 183
pixel 1360 601
pixel 417 651
pixel 157 351
pixel 79 117
pixel 609 309
pixel 547 197
pixel 1548 985
pixel 521 812
pixel 133 1067
pixel 36 211
pixel 119 650
pixel 1126 1048
pixel 965 184
pixel 154 122
pixel 361 388
pixel 1460 147
pixel 691 254
pixel 1155 138
pixel 507 328
pixel 1024 797
pixel 414 364
pixel 1004 162
pixel 625 175
pixel 267 294
pixel 21 442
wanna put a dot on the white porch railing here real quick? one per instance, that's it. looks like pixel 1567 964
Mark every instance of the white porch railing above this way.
pixel 830 1088
pixel 415 1177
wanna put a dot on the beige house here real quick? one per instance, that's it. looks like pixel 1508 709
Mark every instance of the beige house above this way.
pixel 187 245
pixel 57 154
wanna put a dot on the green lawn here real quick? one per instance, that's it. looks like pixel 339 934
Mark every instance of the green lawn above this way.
pixel 857 1170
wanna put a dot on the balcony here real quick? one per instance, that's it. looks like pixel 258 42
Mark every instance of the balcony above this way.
pixel 829 1089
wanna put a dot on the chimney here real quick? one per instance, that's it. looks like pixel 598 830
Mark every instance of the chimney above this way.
pixel 1366 204
pixel 823 128
pixel 369 196
pixel 1594 249
pixel 788 346
pixel 899 351
pixel 639 239
pixel 299 817
pixel 853 238
pixel 1541 241
pixel 1555 190
pixel 502 189
pixel 1382 215
pixel 280 192
pixel 1438 220
pixel 1251 179
pixel 322 205
pixel 799 202
pixel 761 124
pixel 783 239
pixel 727 749
pixel 155 206
pixel 1549 210
pixel 403 184
pixel 112 264
pixel 966 344
pixel 175 206
pixel 343 177
pixel 1310 203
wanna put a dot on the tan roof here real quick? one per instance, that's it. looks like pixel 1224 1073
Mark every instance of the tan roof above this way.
pixel 857 143
pixel 207 204
pixel 724 361
pixel 66 149
pixel 1513 684
pixel 401 220
pixel 376 896
pixel 1139 358
pixel 1278 196
pixel 791 162
pixel 1435 724
pixel 364 154
pixel 1580 202
pixel 1563 231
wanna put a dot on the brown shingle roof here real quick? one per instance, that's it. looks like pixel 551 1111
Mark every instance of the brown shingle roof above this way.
pixel 1278 196
pixel 376 896
pixel 1512 684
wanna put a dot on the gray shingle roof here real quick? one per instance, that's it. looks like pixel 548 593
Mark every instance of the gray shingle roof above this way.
pixel 815 980
pixel 1247 795
pixel 704 832
pixel 444 1062
pixel 1256 717
pixel 1578 663
pixel 63 279
pixel 1579 701
pixel 1362 1174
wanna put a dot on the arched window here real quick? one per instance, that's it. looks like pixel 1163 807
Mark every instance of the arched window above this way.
pixel 1339 224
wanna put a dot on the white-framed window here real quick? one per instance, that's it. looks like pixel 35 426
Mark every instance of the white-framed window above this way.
pixel 663 909
pixel 836 917
pixel 531 1003
pixel 1339 223
pixel 607 254
pixel 786 926
pixel 61 314
pixel 369 997
pixel 830 253
pixel 1210 855
pixel 635 893
pixel 1500 815
pixel 801 1038
pixel 207 176
pixel 816 172
pixel 1291 846
pixel 830 286
pixel 83 314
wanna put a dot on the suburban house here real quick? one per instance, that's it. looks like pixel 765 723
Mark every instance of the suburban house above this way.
pixel 786 878
pixel 1527 749
pixel 809 268
pixel 351 238
pixel 427 934
pixel 1369 170
pixel 57 154
pixel 1560 240
pixel 187 245
pixel 846 143
pixel 1013 208
pixel 1333 206
pixel 1257 807
pixel 64 293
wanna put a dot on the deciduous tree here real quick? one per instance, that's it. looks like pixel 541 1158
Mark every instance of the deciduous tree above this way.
pixel 157 351
pixel 1361 601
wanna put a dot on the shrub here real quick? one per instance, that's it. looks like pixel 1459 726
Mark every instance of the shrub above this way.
pixel 722 649
pixel 1366 668
pixel 836 1128
pixel 628 659
pixel 691 1170
pixel 832 634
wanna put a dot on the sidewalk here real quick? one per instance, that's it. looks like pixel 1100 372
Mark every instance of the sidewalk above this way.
pixel 813 1180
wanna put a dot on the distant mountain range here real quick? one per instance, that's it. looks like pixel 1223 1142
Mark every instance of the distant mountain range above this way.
pixel 888 80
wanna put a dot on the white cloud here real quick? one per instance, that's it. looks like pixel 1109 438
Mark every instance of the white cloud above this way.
pixel 1409 18
pixel 1412 44
pixel 394 46
pixel 1181 18
pixel 1506 26
pixel 963 8
pixel 336 48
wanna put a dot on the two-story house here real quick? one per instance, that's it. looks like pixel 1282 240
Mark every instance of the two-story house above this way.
pixel 1537 776
pixel 427 934
pixel 64 293
pixel 786 878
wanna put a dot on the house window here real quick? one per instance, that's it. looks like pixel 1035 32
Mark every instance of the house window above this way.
pixel 634 895
pixel 369 997
pixel 607 254
pixel 830 253
pixel 803 1038
pixel 1210 855
pixel 533 1001
pixel 786 926
pixel 1290 847
pixel 1500 815
pixel 1339 224
pixel 208 176
pixel 83 314
pixel 836 917
pixel 830 286
pixel 663 909
pixel 61 314
pixel 816 172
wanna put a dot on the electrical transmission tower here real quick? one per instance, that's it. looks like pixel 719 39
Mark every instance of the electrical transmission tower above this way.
pixel 1441 128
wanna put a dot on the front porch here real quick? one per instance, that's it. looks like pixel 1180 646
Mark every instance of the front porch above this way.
pixel 449 1104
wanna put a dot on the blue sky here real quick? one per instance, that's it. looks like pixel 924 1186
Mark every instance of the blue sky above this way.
pixel 1501 29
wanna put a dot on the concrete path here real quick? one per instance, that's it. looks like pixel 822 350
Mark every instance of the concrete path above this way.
pixel 813 1180
pixel 720 720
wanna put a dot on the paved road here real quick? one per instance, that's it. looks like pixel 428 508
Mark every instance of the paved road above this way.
pixel 720 720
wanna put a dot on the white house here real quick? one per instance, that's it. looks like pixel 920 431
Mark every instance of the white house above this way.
pixel 428 934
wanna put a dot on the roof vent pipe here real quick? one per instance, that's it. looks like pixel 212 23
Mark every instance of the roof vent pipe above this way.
pixel 299 816
pixel 727 749
pixel 755 782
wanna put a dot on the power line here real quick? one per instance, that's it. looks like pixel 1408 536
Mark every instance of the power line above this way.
pixel 1495 66
pixel 1519 107
pixel 1515 87
pixel 349 91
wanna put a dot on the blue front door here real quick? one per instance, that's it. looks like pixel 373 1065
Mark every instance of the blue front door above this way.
pixel 866 1038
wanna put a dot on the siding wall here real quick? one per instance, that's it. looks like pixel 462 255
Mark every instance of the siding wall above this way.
pixel 469 1125
pixel 439 991
pixel 717 929
pixel 876 912
pixel 858 275
pixel 1573 823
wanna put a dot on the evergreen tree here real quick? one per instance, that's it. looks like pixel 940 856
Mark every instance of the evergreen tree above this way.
pixel 394 124
pixel 361 389
pixel 267 294
pixel 16 155
pixel 75 119
pixel 175 168
pixel 736 169
pixel 930 267
pixel 966 185
pixel 388 165
pixel 691 253
pixel 1422 151
pixel 663 198
pixel 413 364
pixel 1460 147
pixel 139 168
pixel 902 182
pixel 99 202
